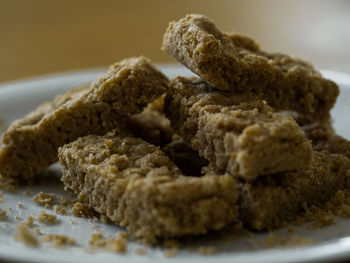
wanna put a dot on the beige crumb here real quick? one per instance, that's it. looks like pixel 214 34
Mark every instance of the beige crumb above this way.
pixel 25 236
pixel 2 200
pixel 59 241
pixel 207 250
pixel 45 218
pixel 37 231
pixel 10 209
pixel 2 214
pixel 19 205
pixel 73 222
pixel 9 184
pixel 30 221
pixel 26 192
pixel 66 202
pixel 116 245
pixel 82 210
pixel 44 199
pixel 171 252
pixel 141 251
pixel 60 210
pixel 17 218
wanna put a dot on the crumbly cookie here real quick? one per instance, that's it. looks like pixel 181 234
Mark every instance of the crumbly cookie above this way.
pixel 238 133
pixel 31 144
pixel 274 200
pixel 234 62
pixel 152 125
pixel 324 138
pixel 136 185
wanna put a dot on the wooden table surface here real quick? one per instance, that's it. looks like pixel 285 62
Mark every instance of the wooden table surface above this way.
pixel 43 36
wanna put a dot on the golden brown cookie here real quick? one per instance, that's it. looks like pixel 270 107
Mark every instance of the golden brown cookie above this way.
pixel 30 144
pixel 274 200
pixel 137 186
pixel 237 133
pixel 234 62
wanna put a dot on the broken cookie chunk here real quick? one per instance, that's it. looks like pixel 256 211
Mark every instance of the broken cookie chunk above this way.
pixel 151 124
pixel 236 63
pixel 31 144
pixel 137 186
pixel 275 200
pixel 238 133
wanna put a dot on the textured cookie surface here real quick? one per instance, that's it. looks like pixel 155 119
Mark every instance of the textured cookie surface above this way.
pixel 237 133
pixel 275 200
pixel 137 186
pixel 234 62
pixel 30 144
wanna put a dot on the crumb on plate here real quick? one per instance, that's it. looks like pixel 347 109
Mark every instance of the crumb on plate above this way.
pixel 46 218
pixel 59 241
pixel 25 236
pixel 82 210
pixel 44 199
pixel 116 245
pixel 60 210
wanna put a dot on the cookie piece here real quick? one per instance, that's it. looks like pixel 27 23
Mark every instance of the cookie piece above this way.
pixel 275 200
pixel 238 133
pixel 136 185
pixel 234 62
pixel 31 144
pixel 152 125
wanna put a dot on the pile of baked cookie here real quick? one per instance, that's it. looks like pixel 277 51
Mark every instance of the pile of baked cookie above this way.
pixel 250 140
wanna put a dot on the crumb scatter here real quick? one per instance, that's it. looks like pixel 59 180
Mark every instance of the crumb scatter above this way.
pixel 44 199
pixel 60 210
pixel 171 252
pixel 116 245
pixel 2 214
pixel 46 218
pixel 59 240
pixel 25 236
pixel 82 210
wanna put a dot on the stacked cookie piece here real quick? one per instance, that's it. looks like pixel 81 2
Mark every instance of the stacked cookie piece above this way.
pixel 261 117
pixel 249 140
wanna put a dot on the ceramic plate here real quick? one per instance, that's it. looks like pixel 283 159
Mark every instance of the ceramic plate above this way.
pixel 18 98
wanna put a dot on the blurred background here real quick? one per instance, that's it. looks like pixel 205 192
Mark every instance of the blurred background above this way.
pixel 45 36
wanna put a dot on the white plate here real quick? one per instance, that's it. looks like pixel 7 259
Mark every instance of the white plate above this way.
pixel 18 98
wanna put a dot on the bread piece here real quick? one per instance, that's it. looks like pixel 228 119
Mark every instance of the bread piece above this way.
pixel 237 133
pixel 136 185
pixel 234 62
pixel 31 144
